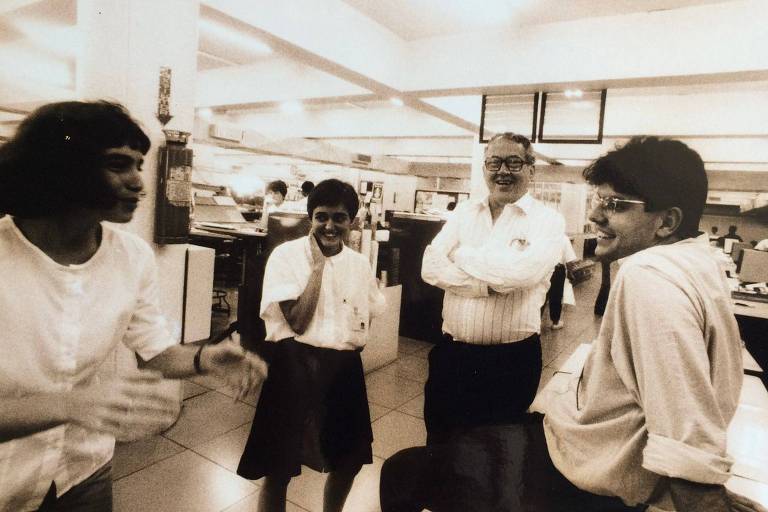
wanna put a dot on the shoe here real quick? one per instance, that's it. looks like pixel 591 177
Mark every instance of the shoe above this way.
pixel 558 325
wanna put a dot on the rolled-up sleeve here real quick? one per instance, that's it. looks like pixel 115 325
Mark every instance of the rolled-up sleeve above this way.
pixel 662 356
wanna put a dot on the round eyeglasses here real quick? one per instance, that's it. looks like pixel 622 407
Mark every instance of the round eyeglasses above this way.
pixel 611 205
pixel 513 164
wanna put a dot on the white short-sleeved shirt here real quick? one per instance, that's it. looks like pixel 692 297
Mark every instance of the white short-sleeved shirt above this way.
pixel 58 325
pixel 349 296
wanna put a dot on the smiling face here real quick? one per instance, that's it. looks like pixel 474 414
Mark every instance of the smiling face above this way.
pixel 121 170
pixel 330 226
pixel 505 186
pixel 627 230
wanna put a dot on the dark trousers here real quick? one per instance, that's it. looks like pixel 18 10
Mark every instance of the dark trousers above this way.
pixel 94 494
pixel 555 293
pixel 503 468
pixel 475 385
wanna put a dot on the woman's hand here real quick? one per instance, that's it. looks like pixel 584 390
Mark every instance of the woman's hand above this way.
pixel 241 370
pixel 129 407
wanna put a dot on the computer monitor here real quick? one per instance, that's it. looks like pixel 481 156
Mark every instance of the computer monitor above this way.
pixel 754 266
pixel 736 251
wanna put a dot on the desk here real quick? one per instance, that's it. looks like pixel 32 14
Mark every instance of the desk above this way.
pixel 750 308
pixel 249 292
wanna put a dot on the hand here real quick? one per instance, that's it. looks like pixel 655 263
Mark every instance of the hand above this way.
pixel 128 408
pixel 241 370
pixel 739 503
pixel 318 259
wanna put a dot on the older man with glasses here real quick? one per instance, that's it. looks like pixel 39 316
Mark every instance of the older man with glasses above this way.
pixel 493 258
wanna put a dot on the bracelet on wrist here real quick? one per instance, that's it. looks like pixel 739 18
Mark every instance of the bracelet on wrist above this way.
pixel 196 360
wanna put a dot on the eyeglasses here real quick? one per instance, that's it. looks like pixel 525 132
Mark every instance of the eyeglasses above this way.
pixel 611 205
pixel 513 163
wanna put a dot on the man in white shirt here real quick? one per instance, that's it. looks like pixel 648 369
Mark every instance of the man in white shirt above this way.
pixel 493 258
pixel 644 423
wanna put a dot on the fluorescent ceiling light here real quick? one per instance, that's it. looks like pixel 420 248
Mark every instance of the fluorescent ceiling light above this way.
pixel 234 36
pixel 291 107
pixel 396 101
pixel 573 93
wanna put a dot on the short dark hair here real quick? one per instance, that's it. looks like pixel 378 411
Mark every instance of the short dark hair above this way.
pixel 307 187
pixel 278 186
pixel 530 158
pixel 333 192
pixel 665 173
pixel 52 164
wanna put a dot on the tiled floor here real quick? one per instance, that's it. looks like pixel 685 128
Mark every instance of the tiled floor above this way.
pixel 191 466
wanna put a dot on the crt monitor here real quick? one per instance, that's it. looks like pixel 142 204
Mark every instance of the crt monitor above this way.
pixel 754 266
pixel 737 249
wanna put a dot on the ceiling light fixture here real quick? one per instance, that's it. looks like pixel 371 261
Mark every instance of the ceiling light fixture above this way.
pixel 573 93
pixel 292 107
pixel 233 36
pixel 396 101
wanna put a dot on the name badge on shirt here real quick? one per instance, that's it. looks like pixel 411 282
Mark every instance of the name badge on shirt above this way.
pixel 357 321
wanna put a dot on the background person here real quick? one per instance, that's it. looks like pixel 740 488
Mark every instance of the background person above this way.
pixel 557 285
pixel 73 288
pixel 317 301
pixel 276 192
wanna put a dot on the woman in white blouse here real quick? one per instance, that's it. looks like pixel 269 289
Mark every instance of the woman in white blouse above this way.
pixel 73 288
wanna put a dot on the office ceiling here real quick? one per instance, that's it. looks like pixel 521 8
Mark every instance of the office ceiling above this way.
pixel 332 70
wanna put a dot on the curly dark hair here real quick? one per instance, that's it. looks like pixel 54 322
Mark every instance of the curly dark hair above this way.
pixel 52 164
pixel 333 192
pixel 665 173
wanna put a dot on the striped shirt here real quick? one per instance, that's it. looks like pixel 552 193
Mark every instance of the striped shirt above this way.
pixel 495 275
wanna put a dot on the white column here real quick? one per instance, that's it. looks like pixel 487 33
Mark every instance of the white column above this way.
pixel 125 43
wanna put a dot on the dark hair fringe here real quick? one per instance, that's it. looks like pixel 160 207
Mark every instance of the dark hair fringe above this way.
pixel 52 163
pixel 333 192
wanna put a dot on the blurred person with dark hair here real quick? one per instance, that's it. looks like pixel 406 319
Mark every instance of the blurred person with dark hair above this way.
pixel 276 192
pixel 730 234
pixel 317 302
pixel 73 288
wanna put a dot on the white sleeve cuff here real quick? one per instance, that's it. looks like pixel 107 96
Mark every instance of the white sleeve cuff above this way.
pixel 668 457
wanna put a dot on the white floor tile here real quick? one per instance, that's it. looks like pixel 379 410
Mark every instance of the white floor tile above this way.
pixel 390 390
pixel 225 450
pixel 131 457
pixel 414 407
pixel 206 416
pixel 183 483
pixel 396 431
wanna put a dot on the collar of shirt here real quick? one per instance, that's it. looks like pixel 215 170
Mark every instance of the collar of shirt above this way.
pixel 525 203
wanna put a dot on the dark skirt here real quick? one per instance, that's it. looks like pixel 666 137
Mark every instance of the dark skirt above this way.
pixel 313 411
pixel 475 385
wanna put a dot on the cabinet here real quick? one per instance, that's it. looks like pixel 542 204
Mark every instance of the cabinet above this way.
pixel 399 192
